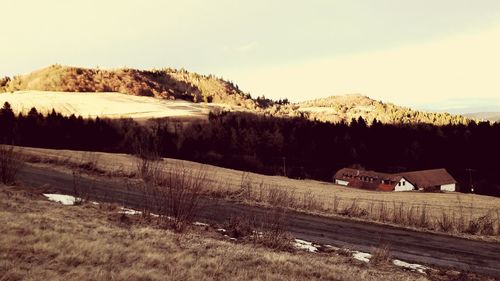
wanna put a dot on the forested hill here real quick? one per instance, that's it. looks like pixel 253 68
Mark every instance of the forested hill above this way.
pixel 347 107
pixel 172 84
pixel 165 83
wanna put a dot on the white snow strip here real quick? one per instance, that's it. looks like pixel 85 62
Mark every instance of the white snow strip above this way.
pixel 221 230
pixel 305 245
pixel 360 256
pixel 331 247
pixel 197 223
pixel 411 266
pixel 230 238
pixel 128 211
pixel 63 199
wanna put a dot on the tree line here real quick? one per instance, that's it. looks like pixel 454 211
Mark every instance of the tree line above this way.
pixel 297 147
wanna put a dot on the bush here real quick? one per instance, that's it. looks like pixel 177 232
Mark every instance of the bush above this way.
pixel 11 163
pixel 381 255
pixel 175 194
pixel 445 222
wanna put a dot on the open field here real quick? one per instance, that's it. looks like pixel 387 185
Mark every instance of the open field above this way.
pixel 104 105
pixel 447 212
pixel 44 240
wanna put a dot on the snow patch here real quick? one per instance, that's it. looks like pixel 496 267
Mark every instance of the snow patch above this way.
pixel 410 266
pixel 305 245
pixel 360 256
pixel 331 247
pixel 221 230
pixel 230 238
pixel 63 199
pixel 197 223
pixel 128 211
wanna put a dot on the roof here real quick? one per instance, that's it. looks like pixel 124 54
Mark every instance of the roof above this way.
pixel 429 178
pixel 368 179
pixel 383 181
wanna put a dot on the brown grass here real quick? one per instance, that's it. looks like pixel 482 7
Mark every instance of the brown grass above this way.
pixel 456 212
pixel 381 255
pixel 166 83
pixel 42 240
pixel 11 162
pixel 173 193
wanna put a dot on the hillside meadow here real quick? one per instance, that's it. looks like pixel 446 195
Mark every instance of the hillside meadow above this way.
pixel 44 240
pixel 466 215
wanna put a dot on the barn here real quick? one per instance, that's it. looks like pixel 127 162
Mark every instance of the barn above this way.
pixel 428 180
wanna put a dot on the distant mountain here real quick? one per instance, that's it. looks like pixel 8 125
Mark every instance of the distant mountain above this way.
pixel 487 116
pixel 347 107
pixel 173 84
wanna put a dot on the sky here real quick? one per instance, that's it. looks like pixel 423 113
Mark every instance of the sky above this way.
pixel 429 54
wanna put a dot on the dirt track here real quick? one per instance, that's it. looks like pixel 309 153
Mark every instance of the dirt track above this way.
pixel 418 247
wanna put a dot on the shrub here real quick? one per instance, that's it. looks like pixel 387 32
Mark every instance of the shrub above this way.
pixel 11 162
pixel 445 221
pixel 238 227
pixel 381 255
pixel 176 194
pixel 276 236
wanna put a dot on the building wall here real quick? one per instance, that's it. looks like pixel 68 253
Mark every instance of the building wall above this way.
pixel 404 185
pixel 341 182
pixel 448 187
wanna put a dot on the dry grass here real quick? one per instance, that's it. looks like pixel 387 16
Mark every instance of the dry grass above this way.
pixel 381 255
pixel 42 240
pixel 454 213
pixel 11 161
pixel 166 84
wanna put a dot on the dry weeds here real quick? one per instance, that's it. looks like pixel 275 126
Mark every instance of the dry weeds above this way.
pixel 452 213
pixel 11 162
pixel 43 240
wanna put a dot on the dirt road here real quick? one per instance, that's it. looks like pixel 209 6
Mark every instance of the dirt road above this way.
pixel 412 246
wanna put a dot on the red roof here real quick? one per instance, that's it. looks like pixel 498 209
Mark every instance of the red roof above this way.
pixel 429 178
pixel 387 182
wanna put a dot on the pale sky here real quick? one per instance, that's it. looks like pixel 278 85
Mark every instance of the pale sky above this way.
pixel 426 53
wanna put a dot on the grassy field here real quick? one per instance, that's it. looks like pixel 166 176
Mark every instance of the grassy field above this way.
pixel 105 105
pixel 42 240
pixel 472 215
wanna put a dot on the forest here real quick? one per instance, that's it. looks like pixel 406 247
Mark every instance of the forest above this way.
pixel 295 147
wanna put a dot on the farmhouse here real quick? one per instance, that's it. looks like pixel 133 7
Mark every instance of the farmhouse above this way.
pixel 428 180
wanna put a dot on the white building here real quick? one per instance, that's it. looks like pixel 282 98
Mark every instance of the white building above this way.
pixel 428 180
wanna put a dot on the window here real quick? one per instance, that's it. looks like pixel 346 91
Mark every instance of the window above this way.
pixel 404 183
pixel 399 183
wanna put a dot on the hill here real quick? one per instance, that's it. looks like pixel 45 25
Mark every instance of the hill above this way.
pixel 345 108
pixel 172 84
pixel 166 83
pixel 107 105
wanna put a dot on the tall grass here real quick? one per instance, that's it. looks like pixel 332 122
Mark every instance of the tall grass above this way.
pixel 398 213
pixel 11 162
pixel 174 193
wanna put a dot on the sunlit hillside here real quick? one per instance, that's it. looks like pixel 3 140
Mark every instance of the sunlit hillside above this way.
pixel 165 83
pixel 171 84
pixel 109 105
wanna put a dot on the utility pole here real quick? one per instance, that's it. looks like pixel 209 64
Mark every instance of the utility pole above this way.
pixel 471 185
pixel 284 166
